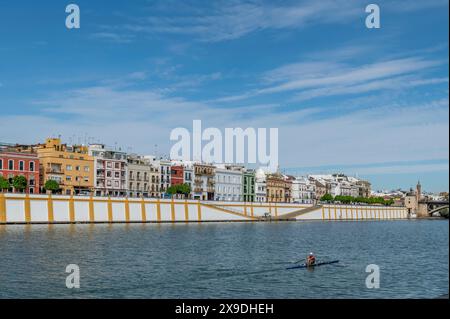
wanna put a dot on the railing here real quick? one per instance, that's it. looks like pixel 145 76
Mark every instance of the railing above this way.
pixel 54 171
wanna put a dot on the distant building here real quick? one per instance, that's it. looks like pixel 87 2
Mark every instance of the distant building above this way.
pixel 17 161
pixel 177 175
pixel 276 188
pixel 228 183
pixel 139 176
pixel 260 186
pixel 248 187
pixel 110 174
pixel 204 183
pixel 70 166
pixel 303 190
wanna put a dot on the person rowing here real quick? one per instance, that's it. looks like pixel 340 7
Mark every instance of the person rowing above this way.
pixel 310 260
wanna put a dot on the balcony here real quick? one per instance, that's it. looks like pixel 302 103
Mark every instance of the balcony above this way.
pixel 50 170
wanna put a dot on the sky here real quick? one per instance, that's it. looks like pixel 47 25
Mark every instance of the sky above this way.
pixel 372 103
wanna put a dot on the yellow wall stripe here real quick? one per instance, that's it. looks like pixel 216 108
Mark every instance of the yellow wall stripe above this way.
pixel 91 210
pixel 186 211
pixel 27 209
pixel 127 210
pixel 199 211
pixel 158 210
pixel 2 208
pixel 51 216
pixel 110 213
pixel 172 209
pixel 323 213
pixel 71 209
pixel 143 211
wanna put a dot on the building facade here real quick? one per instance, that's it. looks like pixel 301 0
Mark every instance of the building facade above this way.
pixel 70 166
pixel 248 186
pixel 303 191
pixel 110 173
pixel 204 183
pixel 139 176
pixel 260 186
pixel 275 188
pixel 177 175
pixel 17 162
pixel 228 183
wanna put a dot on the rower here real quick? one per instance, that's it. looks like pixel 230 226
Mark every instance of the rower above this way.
pixel 311 259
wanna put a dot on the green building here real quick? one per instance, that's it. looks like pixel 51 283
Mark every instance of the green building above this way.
pixel 248 189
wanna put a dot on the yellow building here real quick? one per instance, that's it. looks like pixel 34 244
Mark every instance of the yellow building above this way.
pixel 70 166
pixel 276 188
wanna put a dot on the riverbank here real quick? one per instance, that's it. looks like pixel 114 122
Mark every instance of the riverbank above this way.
pixel 35 209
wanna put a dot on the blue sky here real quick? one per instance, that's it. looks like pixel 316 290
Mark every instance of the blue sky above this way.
pixel 372 103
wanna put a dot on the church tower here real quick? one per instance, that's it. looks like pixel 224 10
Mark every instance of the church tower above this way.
pixel 418 191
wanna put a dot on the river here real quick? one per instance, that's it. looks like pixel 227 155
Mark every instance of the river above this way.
pixel 225 260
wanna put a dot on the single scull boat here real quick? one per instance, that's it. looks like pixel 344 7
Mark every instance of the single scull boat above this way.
pixel 315 265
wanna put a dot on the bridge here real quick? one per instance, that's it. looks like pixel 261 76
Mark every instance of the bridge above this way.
pixel 435 206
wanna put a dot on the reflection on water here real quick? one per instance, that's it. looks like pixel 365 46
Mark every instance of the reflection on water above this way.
pixel 225 260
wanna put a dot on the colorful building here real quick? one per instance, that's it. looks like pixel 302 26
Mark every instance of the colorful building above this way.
pixel 275 188
pixel 177 175
pixel 203 182
pixel 248 187
pixel 69 165
pixel 139 176
pixel 110 171
pixel 20 161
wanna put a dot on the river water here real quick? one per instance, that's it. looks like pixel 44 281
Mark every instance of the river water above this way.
pixel 225 260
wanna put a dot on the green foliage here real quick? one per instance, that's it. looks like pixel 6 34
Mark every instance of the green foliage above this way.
pixel 327 198
pixel 19 182
pixel 364 200
pixel 183 189
pixel 51 185
pixel 4 183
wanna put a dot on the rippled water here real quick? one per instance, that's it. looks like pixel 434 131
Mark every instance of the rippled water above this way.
pixel 225 260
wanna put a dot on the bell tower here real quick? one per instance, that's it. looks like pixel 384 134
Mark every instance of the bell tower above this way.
pixel 418 191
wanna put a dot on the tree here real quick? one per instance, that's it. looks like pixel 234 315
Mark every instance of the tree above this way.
pixel 19 182
pixel 4 184
pixel 51 186
pixel 185 189
pixel 327 198
pixel 182 189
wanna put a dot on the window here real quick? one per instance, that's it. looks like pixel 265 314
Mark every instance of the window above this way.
pixel 1 164
pixel 68 178
pixel 117 165
pixel 116 184
pixel 109 164
pixel 77 168
pixel 108 174
pixel 11 165
pixel 31 190
pixel 86 179
pixel 31 167
pixel 68 167
pixel 116 174
pixel 86 168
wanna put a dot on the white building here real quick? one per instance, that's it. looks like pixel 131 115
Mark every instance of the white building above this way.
pixel 164 166
pixel 303 190
pixel 110 171
pixel 228 183
pixel 260 186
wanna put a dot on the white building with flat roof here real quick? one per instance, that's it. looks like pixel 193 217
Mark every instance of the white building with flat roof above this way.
pixel 228 183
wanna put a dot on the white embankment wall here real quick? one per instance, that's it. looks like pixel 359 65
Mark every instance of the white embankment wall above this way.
pixel 20 208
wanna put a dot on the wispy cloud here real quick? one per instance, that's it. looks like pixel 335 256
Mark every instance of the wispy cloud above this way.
pixel 113 37
pixel 318 79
